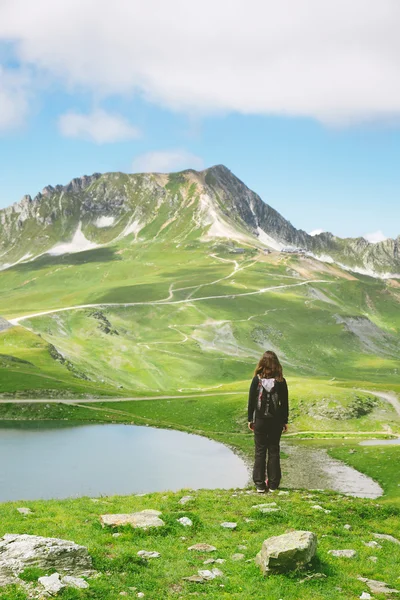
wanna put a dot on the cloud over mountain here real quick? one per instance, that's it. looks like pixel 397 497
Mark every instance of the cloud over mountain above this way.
pixel 333 61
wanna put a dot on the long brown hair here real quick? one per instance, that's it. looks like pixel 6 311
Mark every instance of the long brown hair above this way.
pixel 269 366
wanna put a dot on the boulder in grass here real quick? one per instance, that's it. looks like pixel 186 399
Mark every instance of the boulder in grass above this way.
pixel 17 552
pixel 286 552
pixel 140 520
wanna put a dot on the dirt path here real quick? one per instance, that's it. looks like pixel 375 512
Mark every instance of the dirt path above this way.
pixel 95 400
pixel 390 397
pixel 19 320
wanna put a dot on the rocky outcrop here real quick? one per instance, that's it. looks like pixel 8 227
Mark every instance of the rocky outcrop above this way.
pixel 283 553
pixel 4 324
pixel 17 552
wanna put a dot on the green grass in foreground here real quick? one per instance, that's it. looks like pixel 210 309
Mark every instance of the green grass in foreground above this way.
pixel 116 558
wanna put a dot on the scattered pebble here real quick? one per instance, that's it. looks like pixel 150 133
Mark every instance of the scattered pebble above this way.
pixel 24 511
pixel 373 558
pixel 116 535
pixel 283 493
pixel 343 553
pixel 242 547
pixel 185 499
pixel 141 594
pixel 372 544
pixel 148 554
pixel 347 527
pixel 378 587
pixel 229 525
pixel 75 582
pixel 203 548
pixel 313 576
pixel 237 556
pixel 208 575
pixel 365 596
pixel 185 521
pixel 388 538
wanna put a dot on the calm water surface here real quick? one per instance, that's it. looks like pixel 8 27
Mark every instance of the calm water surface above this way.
pixel 57 460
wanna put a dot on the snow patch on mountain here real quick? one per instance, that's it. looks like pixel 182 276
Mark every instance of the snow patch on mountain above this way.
pixel 79 243
pixel 104 222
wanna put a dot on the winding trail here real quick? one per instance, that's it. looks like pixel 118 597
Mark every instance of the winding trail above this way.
pixel 390 397
pixel 18 320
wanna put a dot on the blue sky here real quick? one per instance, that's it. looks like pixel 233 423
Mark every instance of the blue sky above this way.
pixel 78 96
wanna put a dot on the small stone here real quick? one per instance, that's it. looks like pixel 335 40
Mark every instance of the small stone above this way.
pixel 209 575
pixel 140 595
pixel 241 547
pixel 388 538
pixel 283 493
pixel 378 587
pixel 220 561
pixel 51 584
pixel 209 561
pixel 185 499
pixel 237 556
pixel 185 521
pixel 116 535
pixel 372 544
pixel 365 596
pixel 140 520
pixel 317 507
pixel 148 554
pixel 373 558
pixel 203 548
pixel 269 510
pixel 343 553
pixel 228 525
pixel 247 520
pixel 75 582
pixel 24 511
pixel 347 527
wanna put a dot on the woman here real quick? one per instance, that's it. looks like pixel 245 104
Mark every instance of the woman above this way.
pixel 268 412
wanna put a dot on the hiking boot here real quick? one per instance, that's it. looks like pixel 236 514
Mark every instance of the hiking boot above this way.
pixel 261 490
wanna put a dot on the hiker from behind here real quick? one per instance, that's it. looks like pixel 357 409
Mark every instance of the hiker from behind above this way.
pixel 268 412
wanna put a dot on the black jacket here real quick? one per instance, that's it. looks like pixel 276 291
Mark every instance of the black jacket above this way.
pixel 281 388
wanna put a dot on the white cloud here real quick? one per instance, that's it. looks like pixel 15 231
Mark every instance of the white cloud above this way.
pixel 316 232
pixel 99 126
pixel 166 161
pixel 334 60
pixel 375 237
pixel 13 98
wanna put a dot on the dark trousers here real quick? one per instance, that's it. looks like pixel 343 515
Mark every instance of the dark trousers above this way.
pixel 267 435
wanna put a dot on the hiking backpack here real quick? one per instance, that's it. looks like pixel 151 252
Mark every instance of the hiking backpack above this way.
pixel 268 399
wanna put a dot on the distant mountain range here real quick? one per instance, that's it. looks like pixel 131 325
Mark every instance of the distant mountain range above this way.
pixel 205 206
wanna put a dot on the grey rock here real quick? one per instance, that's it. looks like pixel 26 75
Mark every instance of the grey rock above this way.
pixel 24 511
pixel 365 596
pixel 388 538
pixel 347 553
pixel 372 544
pixel 140 520
pixel 347 527
pixel 220 561
pixel 202 548
pixel 228 525
pixel 185 499
pixel 195 579
pixel 378 587
pixel 238 556
pixel 208 575
pixel 75 582
pixel 185 521
pixel 17 552
pixel 373 558
pixel 52 584
pixel 287 552
pixel 148 554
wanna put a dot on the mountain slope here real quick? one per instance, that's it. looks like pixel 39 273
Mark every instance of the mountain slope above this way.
pixel 204 206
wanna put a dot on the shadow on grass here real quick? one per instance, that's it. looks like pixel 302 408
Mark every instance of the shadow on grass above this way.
pixel 97 255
